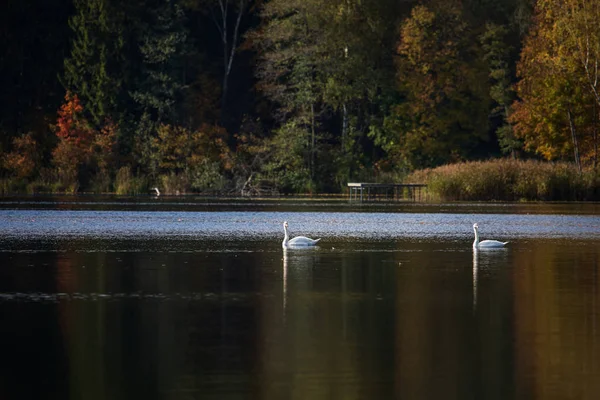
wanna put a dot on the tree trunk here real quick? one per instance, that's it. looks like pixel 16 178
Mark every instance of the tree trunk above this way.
pixel 246 184
pixel 344 127
pixel 513 150
pixel 312 145
pixel 228 50
pixel 595 138
pixel 574 137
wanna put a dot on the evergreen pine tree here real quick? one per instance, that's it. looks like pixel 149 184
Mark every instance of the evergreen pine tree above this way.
pixel 161 39
pixel 94 69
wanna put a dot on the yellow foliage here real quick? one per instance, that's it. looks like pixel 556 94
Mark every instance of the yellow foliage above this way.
pixel 557 111
pixel 179 148
pixel 23 159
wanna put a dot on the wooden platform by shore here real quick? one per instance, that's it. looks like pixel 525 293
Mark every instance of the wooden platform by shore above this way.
pixel 364 191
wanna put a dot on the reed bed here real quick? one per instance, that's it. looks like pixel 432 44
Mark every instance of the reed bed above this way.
pixel 509 180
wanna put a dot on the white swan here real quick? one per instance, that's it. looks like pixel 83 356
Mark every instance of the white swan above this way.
pixel 156 191
pixel 297 241
pixel 485 244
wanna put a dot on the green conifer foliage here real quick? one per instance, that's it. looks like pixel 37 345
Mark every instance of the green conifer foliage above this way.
pixel 94 69
pixel 161 40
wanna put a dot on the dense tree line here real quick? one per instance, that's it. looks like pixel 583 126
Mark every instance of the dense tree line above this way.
pixel 251 96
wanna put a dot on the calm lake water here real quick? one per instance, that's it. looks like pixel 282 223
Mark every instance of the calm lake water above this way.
pixel 183 298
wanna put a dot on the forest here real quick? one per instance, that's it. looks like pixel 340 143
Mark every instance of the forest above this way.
pixel 255 97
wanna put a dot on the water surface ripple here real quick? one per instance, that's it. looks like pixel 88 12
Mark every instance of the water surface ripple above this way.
pixel 263 225
pixel 173 298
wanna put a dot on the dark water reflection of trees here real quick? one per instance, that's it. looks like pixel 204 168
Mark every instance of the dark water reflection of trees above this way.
pixel 402 318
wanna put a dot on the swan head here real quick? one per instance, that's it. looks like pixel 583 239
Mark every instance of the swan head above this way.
pixel 475 226
pixel 285 224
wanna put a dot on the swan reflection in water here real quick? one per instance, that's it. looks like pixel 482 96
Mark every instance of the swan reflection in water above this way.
pixel 285 273
pixel 475 270
pixel 488 257
pixel 302 258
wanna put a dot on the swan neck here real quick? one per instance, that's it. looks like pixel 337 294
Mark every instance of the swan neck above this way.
pixel 476 242
pixel 285 236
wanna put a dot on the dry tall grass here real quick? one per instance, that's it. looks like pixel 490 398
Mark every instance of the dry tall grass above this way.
pixel 508 180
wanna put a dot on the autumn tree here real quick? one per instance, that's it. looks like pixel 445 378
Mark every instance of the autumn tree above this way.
pixel 82 152
pixel 250 155
pixel 557 110
pixel 25 158
pixel 444 114
pixel 75 137
pixel 191 159
pixel 578 29
pixel 104 154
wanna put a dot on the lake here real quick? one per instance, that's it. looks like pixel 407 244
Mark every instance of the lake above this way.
pixel 187 298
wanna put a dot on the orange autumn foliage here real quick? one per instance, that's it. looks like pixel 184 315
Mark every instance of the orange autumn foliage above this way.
pixel 75 135
pixel 104 145
pixel 70 123
pixel 556 115
pixel 81 147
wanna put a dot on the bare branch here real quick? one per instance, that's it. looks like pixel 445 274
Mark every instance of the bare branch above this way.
pixel 235 35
